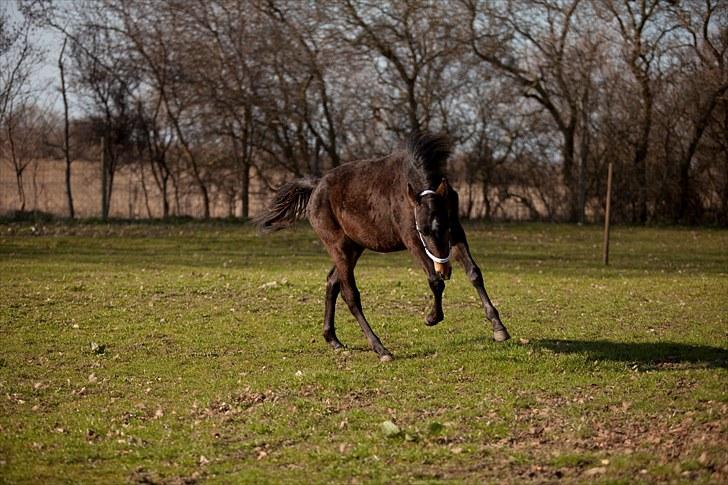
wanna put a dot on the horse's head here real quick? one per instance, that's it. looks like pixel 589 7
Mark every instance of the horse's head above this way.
pixel 432 222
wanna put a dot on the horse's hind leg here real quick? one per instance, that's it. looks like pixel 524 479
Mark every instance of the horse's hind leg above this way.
pixel 462 253
pixel 332 292
pixel 352 298
pixel 345 255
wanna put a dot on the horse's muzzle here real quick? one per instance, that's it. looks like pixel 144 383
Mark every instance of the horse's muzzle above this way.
pixel 444 270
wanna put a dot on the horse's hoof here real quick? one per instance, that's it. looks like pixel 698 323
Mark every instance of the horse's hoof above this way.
pixel 501 335
pixel 432 321
pixel 386 358
pixel 333 342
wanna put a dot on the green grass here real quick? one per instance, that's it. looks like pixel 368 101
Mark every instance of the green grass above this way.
pixel 204 369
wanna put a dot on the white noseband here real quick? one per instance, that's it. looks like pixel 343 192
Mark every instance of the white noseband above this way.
pixel 434 258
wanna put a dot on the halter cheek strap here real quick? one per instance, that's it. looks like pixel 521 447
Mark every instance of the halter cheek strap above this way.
pixel 434 258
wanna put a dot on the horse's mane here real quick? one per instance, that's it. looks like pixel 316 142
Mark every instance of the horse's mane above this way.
pixel 430 152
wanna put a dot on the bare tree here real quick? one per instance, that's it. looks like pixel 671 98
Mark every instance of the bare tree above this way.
pixel 19 118
pixel 543 58
pixel 641 32
pixel 26 134
pixel 412 48
pixel 705 25
pixel 18 57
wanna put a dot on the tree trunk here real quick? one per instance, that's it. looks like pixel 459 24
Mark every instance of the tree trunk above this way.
pixel 568 172
pixel 245 193
pixel 469 205
pixel 165 197
pixel 175 183
pixel 17 165
pixel 486 201
pixel 723 216
pixel 205 199
pixel 145 191
pixel 639 162
pixel 69 194
pixel 66 134
pixel 34 179
pixel 583 159
pixel 21 189
pixel 104 178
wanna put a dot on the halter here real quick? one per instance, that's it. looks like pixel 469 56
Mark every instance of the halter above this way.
pixel 434 258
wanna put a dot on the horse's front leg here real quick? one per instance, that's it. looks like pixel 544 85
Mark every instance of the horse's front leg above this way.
pixel 461 252
pixel 437 285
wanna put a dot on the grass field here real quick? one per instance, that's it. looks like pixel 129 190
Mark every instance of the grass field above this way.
pixel 191 352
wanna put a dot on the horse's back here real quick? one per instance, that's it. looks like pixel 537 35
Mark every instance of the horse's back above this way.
pixel 363 201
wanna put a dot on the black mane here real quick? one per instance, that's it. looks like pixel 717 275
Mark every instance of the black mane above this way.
pixel 430 152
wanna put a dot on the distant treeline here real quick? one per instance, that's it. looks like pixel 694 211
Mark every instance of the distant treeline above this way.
pixel 538 95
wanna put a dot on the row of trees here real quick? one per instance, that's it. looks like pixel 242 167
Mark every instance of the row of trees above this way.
pixel 539 95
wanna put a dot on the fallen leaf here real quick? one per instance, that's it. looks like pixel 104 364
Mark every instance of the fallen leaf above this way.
pixel 703 458
pixel 598 470
pixel 390 429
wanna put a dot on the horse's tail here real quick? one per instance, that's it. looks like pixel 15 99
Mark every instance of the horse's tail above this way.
pixel 288 205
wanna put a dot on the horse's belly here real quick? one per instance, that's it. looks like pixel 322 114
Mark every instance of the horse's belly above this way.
pixel 383 246
pixel 370 236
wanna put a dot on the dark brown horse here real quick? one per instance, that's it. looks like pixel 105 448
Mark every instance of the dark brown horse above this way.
pixel 401 201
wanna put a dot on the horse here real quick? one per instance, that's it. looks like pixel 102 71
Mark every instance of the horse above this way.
pixel 396 202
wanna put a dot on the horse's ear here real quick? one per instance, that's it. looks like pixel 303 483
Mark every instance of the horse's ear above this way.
pixel 442 188
pixel 411 195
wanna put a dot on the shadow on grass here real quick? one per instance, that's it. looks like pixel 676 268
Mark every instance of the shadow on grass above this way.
pixel 647 355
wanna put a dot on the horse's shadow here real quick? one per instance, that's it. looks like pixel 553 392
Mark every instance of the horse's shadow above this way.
pixel 646 355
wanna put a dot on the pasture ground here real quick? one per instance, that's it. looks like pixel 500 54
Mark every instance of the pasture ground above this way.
pixel 192 352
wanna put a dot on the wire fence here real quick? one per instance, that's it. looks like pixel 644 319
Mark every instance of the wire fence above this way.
pixel 135 195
